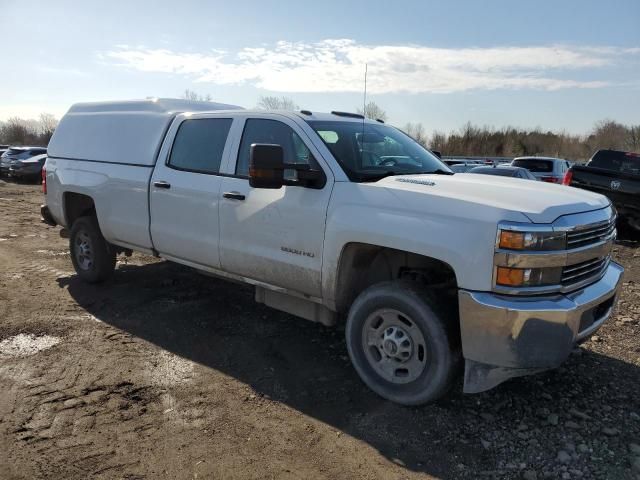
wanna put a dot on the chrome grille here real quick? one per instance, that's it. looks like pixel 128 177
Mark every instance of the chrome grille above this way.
pixel 582 271
pixel 589 235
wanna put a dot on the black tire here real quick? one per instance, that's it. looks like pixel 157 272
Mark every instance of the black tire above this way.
pixel 425 316
pixel 96 264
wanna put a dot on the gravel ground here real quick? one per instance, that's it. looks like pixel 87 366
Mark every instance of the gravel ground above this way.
pixel 163 373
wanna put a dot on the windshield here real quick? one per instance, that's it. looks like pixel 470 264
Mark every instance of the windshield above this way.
pixel 534 165
pixel 369 152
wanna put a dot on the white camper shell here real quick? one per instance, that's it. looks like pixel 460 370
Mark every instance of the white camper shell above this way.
pixel 127 132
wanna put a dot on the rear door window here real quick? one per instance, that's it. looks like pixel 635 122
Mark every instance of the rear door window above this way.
pixel 534 165
pixel 199 145
pixel 618 161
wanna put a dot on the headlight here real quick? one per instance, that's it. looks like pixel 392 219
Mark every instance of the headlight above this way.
pixel 512 240
pixel 528 277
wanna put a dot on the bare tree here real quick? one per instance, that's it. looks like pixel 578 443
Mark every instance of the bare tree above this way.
pixel 48 124
pixel 276 103
pixel 373 111
pixel 195 96
pixel 609 134
pixel 16 131
pixel 439 142
pixel 417 132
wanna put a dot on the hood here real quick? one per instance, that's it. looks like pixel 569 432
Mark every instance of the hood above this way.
pixel 539 201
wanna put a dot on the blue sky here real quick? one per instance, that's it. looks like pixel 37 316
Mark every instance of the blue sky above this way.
pixel 559 65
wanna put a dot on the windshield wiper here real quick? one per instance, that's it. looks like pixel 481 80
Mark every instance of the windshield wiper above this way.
pixel 439 171
pixel 374 177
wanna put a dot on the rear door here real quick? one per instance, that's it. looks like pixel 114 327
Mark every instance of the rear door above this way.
pixel 274 236
pixel 184 191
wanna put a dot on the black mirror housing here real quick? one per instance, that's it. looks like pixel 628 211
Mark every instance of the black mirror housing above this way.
pixel 266 166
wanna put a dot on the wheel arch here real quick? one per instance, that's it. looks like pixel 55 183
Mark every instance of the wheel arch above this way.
pixel 362 265
pixel 76 205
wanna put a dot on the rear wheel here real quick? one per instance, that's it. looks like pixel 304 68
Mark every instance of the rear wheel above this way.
pixel 401 348
pixel 93 258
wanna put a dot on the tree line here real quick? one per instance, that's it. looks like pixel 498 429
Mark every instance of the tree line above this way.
pixel 20 131
pixel 469 140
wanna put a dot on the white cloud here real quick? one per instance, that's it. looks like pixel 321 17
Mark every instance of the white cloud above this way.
pixel 338 66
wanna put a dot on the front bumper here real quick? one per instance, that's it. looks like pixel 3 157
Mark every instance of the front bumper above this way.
pixel 507 336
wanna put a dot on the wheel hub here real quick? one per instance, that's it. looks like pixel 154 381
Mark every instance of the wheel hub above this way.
pixel 396 344
pixel 83 251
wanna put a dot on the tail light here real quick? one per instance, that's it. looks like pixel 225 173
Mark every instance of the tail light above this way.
pixel 44 180
pixel 550 179
pixel 567 178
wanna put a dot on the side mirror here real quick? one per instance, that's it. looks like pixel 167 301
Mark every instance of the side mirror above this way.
pixel 437 153
pixel 266 166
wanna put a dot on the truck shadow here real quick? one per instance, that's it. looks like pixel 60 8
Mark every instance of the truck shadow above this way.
pixel 305 366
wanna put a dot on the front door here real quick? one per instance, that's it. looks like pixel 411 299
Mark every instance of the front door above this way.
pixel 275 236
pixel 184 193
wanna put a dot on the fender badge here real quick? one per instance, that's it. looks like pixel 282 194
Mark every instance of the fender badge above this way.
pixel 429 183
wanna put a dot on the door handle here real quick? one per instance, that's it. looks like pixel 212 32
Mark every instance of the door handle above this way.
pixel 233 195
pixel 162 184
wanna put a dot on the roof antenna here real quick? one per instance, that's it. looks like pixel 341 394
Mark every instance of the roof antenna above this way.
pixel 364 101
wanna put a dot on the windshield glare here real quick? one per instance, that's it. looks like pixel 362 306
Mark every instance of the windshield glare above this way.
pixel 368 152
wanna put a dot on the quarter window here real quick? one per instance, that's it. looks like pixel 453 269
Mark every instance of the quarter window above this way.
pixel 272 132
pixel 199 145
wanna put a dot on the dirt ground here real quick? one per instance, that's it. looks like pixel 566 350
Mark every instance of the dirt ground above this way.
pixel 164 373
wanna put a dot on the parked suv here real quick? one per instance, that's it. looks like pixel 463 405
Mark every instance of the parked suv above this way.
pixel 15 154
pixel 546 169
pixel 332 216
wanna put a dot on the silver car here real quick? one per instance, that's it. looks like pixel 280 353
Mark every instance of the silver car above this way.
pixel 546 169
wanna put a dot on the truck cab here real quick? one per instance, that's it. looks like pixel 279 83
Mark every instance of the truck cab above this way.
pixel 336 218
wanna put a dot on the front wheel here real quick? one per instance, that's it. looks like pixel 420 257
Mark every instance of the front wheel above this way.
pixel 93 258
pixel 401 348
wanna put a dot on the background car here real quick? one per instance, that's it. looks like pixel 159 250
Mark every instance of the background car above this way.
pixel 547 169
pixel 615 174
pixel 3 148
pixel 18 153
pixel 28 168
pixel 504 171
pixel 463 167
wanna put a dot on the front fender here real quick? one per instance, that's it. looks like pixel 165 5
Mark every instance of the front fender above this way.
pixel 446 229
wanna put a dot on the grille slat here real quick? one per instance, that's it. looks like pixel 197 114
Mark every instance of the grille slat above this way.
pixel 580 266
pixel 590 235
pixel 584 270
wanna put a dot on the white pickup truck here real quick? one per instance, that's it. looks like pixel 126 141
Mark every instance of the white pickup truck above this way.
pixel 332 217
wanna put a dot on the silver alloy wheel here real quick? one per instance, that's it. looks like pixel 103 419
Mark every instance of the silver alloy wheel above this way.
pixel 84 251
pixel 394 346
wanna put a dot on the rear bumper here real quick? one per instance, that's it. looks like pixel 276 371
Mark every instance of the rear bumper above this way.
pixel 506 336
pixel 46 216
pixel 25 171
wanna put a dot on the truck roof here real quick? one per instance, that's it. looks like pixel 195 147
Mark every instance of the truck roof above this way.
pixel 131 132
pixel 151 105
